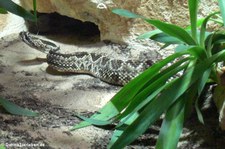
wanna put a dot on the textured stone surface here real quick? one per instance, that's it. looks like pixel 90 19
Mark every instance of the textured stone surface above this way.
pixel 114 27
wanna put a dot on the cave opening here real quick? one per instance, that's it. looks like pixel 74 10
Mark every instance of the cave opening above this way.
pixel 54 24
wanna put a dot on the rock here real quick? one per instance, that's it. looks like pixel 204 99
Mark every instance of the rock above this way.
pixel 114 27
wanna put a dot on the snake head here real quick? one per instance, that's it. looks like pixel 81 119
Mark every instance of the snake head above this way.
pixel 24 36
pixel 38 43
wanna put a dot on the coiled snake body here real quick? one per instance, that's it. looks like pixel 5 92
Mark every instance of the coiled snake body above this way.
pixel 111 70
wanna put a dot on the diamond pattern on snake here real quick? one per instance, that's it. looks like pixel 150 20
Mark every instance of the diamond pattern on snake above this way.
pixel 110 70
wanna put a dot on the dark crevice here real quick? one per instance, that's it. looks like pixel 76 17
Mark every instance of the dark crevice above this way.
pixel 55 25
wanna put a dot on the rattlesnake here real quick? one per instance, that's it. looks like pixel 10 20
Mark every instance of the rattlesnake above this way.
pixel 107 69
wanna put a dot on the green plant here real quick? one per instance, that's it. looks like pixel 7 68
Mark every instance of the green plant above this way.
pixel 8 5
pixel 145 98
pixel 2 146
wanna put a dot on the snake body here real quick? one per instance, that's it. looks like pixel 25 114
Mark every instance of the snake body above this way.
pixel 107 69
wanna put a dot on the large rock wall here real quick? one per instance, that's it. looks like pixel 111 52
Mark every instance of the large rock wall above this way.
pixel 114 27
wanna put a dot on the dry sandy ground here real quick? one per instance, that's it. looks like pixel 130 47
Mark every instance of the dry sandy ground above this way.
pixel 27 81
pixel 56 97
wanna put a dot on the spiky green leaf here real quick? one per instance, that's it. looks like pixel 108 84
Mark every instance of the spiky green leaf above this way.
pixel 193 8
pixel 15 109
pixel 203 29
pixel 172 126
pixel 173 30
pixel 222 9
pixel 12 7
pixel 126 13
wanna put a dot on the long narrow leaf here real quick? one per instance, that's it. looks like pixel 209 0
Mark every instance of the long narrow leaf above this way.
pixel 16 9
pixel 191 95
pixel 164 38
pixel 149 34
pixel 209 44
pixel 126 13
pixel 15 109
pixel 204 80
pixel 201 86
pixel 159 36
pixel 222 9
pixel 173 30
pixel 172 126
pixel 35 10
pixel 199 23
pixel 203 29
pixel 117 133
pixel 94 121
pixel 198 111
pixel 193 7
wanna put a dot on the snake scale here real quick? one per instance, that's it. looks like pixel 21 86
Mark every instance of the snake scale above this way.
pixel 110 70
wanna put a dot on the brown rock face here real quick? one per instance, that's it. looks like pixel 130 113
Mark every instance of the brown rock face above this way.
pixel 115 28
